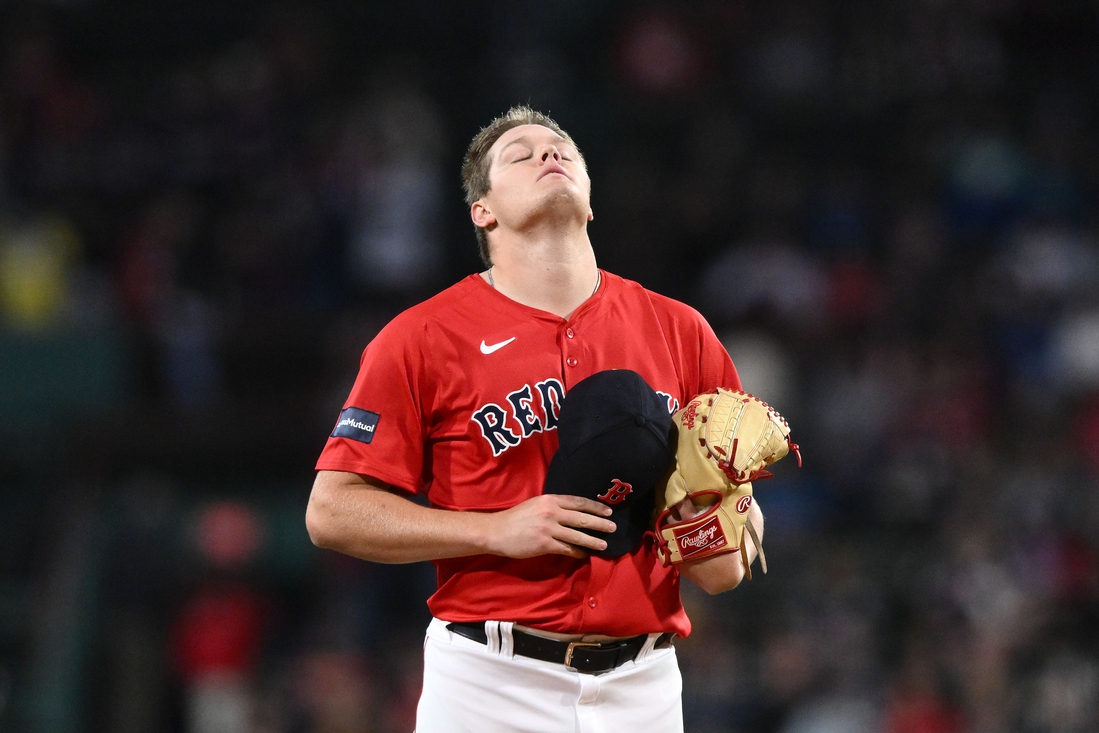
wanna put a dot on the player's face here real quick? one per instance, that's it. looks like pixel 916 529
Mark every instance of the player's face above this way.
pixel 534 170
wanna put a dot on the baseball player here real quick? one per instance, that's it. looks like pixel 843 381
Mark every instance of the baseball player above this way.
pixel 459 398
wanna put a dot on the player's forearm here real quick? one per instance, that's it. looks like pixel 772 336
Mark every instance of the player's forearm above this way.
pixel 715 574
pixel 350 515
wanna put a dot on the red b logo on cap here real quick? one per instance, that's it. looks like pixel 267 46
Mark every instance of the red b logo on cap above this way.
pixel 616 493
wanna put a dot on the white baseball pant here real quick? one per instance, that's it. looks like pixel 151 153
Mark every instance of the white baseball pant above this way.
pixel 471 687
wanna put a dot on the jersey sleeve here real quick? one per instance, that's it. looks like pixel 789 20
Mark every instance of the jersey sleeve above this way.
pixel 715 366
pixel 380 430
pixel 704 363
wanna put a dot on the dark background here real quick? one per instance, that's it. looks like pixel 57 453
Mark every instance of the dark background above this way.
pixel 887 211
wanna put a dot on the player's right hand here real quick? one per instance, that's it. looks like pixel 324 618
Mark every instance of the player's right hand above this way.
pixel 546 524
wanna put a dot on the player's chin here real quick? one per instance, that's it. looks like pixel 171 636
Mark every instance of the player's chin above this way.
pixel 566 201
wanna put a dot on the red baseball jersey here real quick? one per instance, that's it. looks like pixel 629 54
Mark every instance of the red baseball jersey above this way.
pixel 458 398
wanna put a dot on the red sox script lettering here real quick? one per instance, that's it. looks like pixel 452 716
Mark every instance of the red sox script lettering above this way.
pixel 531 416
pixel 533 408
pixel 618 491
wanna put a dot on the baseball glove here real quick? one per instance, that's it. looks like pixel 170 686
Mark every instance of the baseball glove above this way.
pixel 726 440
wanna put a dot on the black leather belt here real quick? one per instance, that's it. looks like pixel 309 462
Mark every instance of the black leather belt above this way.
pixel 581 656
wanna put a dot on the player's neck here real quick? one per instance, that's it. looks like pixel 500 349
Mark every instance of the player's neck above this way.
pixel 556 276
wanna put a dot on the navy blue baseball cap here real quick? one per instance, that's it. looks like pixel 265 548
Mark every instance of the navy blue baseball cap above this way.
pixel 617 442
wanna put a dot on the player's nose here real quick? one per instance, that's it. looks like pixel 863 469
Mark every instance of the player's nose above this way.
pixel 550 152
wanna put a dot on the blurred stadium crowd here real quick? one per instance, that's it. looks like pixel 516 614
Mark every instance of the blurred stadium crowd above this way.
pixel 887 211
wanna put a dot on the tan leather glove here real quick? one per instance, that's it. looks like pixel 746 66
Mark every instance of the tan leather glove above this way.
pixel 726 440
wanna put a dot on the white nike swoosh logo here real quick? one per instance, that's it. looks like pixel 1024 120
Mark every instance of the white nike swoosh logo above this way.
pixel 486 349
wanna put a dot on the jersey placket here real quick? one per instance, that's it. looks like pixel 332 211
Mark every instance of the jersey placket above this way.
pixel 594 608
pixel 576 361
pixel 570 348
pixel 574 369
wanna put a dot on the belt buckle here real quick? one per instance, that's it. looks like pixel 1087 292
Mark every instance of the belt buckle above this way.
pixel 572 648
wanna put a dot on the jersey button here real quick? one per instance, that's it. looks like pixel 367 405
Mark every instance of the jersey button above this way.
pixel 570 333
pixel 591 602
pixel 571 361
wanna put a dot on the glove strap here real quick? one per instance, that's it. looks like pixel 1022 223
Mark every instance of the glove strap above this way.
pixel 755 541
pixel 744 556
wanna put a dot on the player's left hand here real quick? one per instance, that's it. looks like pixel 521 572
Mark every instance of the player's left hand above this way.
pixel 726 441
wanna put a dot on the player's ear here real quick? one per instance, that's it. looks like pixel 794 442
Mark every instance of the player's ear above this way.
pixel 481 215
pixel 591 215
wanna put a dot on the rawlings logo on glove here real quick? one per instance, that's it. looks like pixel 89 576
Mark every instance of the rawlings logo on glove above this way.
pixel 726 440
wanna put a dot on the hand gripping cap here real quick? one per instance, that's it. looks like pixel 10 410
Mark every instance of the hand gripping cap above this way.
pixel 616 446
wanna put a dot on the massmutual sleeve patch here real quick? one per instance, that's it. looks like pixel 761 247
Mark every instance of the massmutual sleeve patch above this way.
pixel 356 424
